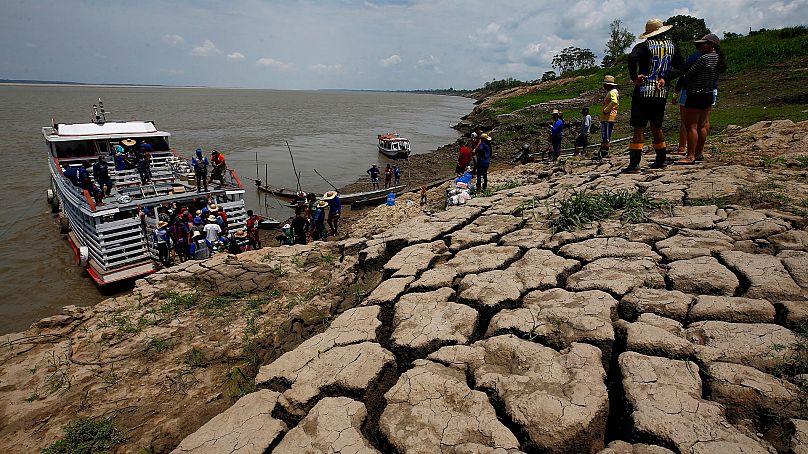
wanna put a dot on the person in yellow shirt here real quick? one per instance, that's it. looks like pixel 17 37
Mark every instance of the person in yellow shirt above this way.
pixel 608 115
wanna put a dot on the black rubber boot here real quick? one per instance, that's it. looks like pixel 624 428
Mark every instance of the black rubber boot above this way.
pixel 634 157
pixel 661 157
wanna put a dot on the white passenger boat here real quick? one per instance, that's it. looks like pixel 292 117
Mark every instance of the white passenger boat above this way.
pixel 393 145
pixel 113 240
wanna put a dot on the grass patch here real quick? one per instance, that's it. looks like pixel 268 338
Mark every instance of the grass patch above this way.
pixel 157 345
pixel 278 271
pixel 766 194
pixel 196 359
pixel 177 302
pixel 584 207
pixel 88 435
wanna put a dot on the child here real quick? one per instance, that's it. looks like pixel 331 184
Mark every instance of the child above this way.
pixel 583 135
pixel 423 195
pixel 608 115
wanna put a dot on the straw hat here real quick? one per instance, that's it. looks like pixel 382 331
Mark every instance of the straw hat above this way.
pixel 240 234
pixel 213 207
pixel 196 234
pixel 609 80
pixel 322 204
pixel 655 27
pixel 161 224
pixel 708 38
pixel 485 136
pixel 329 195
pixel 199 212
pixel 555 112
pixel 128 142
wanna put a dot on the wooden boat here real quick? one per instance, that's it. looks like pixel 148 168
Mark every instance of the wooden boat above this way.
pixel 113 240
pixel 370 195
pixel 281 193
pixel 269 224
pixel 393 145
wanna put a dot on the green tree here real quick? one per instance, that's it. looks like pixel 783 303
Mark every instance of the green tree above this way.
pixel 619 40
pixel 686 29
pixel 573 58
pixel 548 75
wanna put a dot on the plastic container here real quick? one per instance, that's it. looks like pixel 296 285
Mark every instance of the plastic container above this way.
pixel 391 199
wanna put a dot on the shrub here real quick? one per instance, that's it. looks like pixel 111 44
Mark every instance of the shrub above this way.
pixel 87 435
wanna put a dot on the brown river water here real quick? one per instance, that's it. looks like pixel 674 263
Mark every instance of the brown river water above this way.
pixel 331 131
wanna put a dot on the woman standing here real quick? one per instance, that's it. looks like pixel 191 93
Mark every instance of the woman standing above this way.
pixel 701 81
pixel 388 176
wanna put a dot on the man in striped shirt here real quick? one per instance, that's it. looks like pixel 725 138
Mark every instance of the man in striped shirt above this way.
pixel 652 64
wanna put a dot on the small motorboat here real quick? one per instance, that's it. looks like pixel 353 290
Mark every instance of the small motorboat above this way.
pixel 393 145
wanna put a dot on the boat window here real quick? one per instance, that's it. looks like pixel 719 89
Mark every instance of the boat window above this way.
pixel 74 148
pixel 157 143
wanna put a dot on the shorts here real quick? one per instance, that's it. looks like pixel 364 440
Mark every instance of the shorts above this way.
pixel 582 140
pixel 683 97
pixel 700 101
pixel 647 110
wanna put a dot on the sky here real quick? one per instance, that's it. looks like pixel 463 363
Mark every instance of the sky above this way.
pixel 332 44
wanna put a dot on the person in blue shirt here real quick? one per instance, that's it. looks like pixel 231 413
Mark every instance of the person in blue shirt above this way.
pixel 144 161
pixel 334 209
pixel 397 174
pixel 101 175
pixel 200 165
pixel 163 242
pixel 556 134
pixel 318 222
pixel 483 161
pixel 374 173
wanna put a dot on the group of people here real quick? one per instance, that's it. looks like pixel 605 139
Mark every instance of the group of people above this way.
pixel 391 174
pixel 129 154
pixel 198 229
pixel 80 177
pixel 476 158
pixel 309 223
pixel 200 164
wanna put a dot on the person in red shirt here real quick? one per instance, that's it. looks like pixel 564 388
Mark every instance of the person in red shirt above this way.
pixel 463 159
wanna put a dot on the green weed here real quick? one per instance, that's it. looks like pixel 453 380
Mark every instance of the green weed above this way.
pixel 584 207
pixel 176 302
pixel 278 271
pixel 195 359
pixel 771 161
pixel 157 345
pixel 88 435
pixel 802 162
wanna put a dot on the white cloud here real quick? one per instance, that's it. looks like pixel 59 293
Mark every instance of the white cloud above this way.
pixel 491 37
pixel 206 49
pixel 541 54
pixel 390 61
pixel 429 63
pixel 235 56
pixel 319 67
pixel 272 63
pixel 173 40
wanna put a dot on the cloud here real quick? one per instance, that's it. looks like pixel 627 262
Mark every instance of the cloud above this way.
pixel 541 54
pixel 235 56
pixel 173 40
pixel 429 63
pixel 390 61
pixel 206 49
pixel 272 63
pixel 319 67
pixel 491 37
pixel 172 72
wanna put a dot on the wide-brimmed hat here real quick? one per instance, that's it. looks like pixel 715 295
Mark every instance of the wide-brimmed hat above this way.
pixel 196 234
pixel 485 136
pixel 128 142
pixel 655 27
pixel 213 207
pixel 161 224
pixel 555 112
pixel 609 80
pixel 212 218
pixel 240 234
pixel 329 195
pixel 708 38
pixel 199 212
pixel 322 204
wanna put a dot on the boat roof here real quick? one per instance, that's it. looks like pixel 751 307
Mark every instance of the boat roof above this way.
pixel 109 130
pixel 392 137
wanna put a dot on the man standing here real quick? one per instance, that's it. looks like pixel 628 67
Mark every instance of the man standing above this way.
pixel 334 210
pixel 652 65
pixel 200 165
pixel 583 135
pixel 556 134
pixel 219 167
pixel 374 172
pixel 252 229
pixel 397 174
pixel 483 161
pixel 463 159
pixel 101 175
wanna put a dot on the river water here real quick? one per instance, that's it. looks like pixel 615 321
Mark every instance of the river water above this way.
pixel 331 131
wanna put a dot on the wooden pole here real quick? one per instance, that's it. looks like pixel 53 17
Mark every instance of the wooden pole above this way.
pixel 294 169
pixel 329 183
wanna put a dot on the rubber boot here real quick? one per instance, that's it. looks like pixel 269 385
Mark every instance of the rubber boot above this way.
pixel 634 157
pixel 661 157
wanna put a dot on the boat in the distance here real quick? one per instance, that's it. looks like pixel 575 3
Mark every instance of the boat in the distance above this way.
pixel 393 145
pixel 113 240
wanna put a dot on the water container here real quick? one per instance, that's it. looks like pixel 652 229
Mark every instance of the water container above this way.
pixel 391 199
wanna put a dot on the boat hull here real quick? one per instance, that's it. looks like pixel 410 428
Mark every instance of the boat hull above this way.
pixel 394 154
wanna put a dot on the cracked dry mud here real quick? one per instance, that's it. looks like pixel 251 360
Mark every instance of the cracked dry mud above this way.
pixel 486 332
pixel 497 335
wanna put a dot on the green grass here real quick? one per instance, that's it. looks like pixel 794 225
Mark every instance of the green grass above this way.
pixel 196 359
pixel 764 48
pixel 584 207
pixel 720 117
pixel 88 435
pixel 176 302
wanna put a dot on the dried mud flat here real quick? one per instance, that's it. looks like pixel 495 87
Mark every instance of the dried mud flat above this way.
pixel 479 330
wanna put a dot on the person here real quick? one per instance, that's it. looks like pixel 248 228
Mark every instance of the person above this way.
pixel 583 134
pixel 120 159
pixel 300 226
pixel 144 161
pixel 483 161
pixel 200 247
pixel 701 79
pixel 180 233
pixel 74 174
pixel 212 230
pixel 374 172
pixel 556 134
pixel 334 210
pixel 463 159
pixel 423 195
pixel 608 115
pixel 318 222
pixel 219 167
pixel 163 242
pixel 388 176
pixel 652 65
pixel 311 205
pixel 253 233
pixel 101 175
pixel 397 174
pixel 200 165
